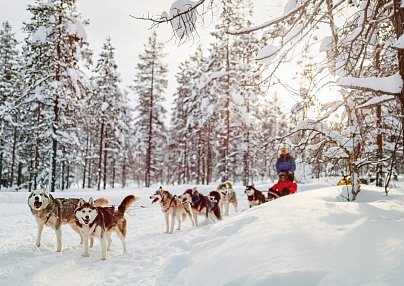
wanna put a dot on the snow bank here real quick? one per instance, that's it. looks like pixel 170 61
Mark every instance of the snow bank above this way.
pixel 310 238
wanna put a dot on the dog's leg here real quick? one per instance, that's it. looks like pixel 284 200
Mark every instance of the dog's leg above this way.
pixel 103 246
pixel 122 238
pixel 196 219
pixel 75 228
pixel 39 234
pixel 58 231
pixel 179 219
pixel 109 240
pixel 166 218
pixel 227 209
pixel 91 242
pixel 85 241
pixel 172 222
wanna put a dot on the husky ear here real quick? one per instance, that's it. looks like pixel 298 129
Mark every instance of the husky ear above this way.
pixel 91 202
pixel 46 192
pixel 81 203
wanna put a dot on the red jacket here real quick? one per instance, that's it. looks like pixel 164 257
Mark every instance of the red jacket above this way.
pixel 279 186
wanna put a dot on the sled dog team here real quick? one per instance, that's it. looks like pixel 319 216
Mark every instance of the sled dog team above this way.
pixel 96 218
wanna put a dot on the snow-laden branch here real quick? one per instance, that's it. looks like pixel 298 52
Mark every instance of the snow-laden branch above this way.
pixel 376 100
pixel 275 21
pixel 182 16
pixel 389 85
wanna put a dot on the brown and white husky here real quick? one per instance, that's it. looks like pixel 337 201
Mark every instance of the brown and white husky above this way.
pixel 54 212
pixel 208 206
pixel 228 197
pixel 171 206
pixel 100 222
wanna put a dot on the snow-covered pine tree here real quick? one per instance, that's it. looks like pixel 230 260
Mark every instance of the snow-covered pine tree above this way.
pixel 108 103
pixel 227 55
pixel 11 87
pixel 149 85
pixel 54 48
pixel 190 121
pixel 181 123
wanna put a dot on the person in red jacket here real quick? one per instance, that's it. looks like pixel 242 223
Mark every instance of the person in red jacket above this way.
pixel 283 187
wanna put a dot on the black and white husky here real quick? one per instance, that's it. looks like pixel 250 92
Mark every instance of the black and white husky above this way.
pixel 100 222
pixel 228 197
pixel 54 212
pixel 207 206
pixel 171 206
pixel 255 197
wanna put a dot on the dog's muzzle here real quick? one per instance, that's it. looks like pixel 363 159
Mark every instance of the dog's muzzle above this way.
pixel 37 204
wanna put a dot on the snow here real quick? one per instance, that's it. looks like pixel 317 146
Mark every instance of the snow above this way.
pixel 310 238
pixel 266 54
pixel 75 27
pixel 290 6
pixel 183 25
pixel 399 44
pixel 326 44
pixel 376 100
pixel 294 32
pixel 390 84
pixel 40 35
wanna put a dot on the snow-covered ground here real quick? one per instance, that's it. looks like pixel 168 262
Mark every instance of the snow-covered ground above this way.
pixel 310 238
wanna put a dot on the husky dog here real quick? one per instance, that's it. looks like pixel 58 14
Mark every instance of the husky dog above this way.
pixel 255 197
pixel 93 221
pixel 171 206
pixel 203 205
pixel 54 212
pixel 229 197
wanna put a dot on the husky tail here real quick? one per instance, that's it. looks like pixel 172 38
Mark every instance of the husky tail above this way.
pixel 126 203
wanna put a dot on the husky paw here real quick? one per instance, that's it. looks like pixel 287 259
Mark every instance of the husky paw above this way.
pixel 85 255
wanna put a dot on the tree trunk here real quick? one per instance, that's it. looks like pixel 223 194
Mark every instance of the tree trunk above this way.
pixel 85 161
pixel 100 155
pixel 19 174
pixel 62 175
pixel 113 174
pixel 124 174
pixel 67 177
pixel 209 157
pixel 399 27
pixel 55 121
pixel 150 130
pixel 225 175
pixel 11 176
pixel 1 168
pixel 105 166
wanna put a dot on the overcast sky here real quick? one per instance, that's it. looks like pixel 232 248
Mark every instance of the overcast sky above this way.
pixel 111 18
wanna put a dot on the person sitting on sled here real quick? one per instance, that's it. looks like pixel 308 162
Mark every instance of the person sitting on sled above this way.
pixel 286 164
pixel 282 188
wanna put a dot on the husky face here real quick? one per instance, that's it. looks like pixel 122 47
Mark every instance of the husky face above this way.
pixel 86 212
pixel 249 190
pixel 159 196
pixel 39 199
pixel 188 195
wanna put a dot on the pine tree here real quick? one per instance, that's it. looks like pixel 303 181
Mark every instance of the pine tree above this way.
pixel 54 48
pixel 11 87
pixel 107 98
pixel 149 86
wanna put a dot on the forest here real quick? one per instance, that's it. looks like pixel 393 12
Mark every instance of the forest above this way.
pixel 65 119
